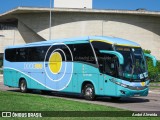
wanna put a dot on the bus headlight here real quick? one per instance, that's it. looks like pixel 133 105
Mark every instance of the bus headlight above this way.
pixel 123 85
pixel 118 83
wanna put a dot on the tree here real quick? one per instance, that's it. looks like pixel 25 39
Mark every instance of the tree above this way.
pixel 153 72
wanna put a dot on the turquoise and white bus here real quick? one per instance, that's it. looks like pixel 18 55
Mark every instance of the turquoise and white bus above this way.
pixel 92 66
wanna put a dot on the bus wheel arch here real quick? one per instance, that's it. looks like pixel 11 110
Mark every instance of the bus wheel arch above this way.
pixel 23 85
pixel 88 90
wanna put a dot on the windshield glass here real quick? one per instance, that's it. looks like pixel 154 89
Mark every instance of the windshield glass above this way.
pixel 134 67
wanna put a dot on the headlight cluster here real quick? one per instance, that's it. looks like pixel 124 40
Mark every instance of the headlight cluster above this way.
pixel 118 83
pixel 130 87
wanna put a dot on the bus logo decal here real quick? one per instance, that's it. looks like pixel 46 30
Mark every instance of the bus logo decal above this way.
pixel 58 71
pixel 33 66
pixel 55 62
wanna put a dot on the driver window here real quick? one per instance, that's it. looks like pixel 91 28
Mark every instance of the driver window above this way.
pixel 108 64
pixel 110 67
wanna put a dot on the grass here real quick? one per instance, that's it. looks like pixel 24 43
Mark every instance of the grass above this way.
pixel 14 101
pixel 32 102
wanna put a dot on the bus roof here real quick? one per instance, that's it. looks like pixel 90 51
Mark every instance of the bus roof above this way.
pixel 110 40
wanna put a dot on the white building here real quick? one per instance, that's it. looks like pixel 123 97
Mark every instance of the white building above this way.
pixel 27 24
pixel 73 4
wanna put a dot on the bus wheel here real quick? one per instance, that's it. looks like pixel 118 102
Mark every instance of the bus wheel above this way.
pixel 23 86
pixel 89 92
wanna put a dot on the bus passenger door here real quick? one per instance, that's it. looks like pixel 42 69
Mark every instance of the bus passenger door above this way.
pixel 101 83
pixel 107 69
pixel 110 74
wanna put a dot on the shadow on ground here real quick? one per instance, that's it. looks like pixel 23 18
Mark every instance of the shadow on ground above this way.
pixel 80 97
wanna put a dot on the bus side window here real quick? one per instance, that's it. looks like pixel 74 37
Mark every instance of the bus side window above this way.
pixel 21 54
pixel 111 66
pixel 67 52
pixel 37 54
pixel 34 54
pixel 10 55
pixel 107 64
pixel 43 52
pixel 83 52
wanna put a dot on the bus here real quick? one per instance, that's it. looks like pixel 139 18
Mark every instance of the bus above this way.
pixel 90 66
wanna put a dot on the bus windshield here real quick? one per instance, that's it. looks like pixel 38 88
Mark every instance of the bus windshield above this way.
pixel 134 67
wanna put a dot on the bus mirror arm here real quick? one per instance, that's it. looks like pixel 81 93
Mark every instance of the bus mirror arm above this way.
pixel 152 57
pixel 119 55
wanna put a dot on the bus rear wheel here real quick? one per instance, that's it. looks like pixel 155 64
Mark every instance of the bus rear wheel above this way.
pixel 23 86
pixel 89 92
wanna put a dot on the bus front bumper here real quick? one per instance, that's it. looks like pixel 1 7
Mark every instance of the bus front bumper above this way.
pixel 127 92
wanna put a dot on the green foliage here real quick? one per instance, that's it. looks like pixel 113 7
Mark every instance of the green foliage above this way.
pixel 147 51
pixel 31 102
pixel 154 72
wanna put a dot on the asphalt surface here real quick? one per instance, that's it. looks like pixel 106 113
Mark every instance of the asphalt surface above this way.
pixel 149 103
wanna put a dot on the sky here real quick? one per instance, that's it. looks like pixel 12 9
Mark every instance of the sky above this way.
pixel 150 5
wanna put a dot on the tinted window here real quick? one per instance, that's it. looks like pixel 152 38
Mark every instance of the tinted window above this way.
pixel 83 52
pixel 37 53
pixel 10 55
pixel 101 45
pixel 80 52
pixel 16 55
pixel 107 62
pixel 68 52
pixel 62 49
pixel 21 54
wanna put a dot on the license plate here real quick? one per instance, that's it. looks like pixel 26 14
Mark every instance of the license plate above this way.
pixel 136 95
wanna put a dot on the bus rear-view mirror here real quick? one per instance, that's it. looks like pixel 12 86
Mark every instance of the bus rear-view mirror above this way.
pixel 119 55
pixel 152 57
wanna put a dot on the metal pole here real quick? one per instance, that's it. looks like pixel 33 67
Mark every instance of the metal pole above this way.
pixel 102 27
pixel 14 35
pixel 50 20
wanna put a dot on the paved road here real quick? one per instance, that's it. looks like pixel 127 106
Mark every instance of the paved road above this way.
pixel 149 103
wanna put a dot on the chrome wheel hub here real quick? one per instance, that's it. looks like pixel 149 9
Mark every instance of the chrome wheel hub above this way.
pixel 22 86
pixel 88 92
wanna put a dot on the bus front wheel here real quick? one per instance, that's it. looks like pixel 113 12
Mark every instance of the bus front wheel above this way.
pixel 89 92
pixel 23 86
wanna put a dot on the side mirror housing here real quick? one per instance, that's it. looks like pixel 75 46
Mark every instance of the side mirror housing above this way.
pixel 119 55
pixel 152 57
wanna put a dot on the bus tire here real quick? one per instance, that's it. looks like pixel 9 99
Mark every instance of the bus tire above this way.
pixel 89 92
pixel 23 86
